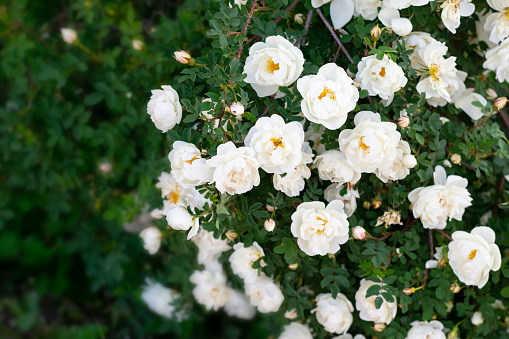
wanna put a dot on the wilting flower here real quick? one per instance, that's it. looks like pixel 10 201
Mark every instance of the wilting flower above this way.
pixel 164 108
pixel 447 199
pixel 473 255
pixel 426 330
pixel 367 309
pixel 211 290
pixel 453 10
pixel 273 63
pixel 496 60
pixel 334 166
pixel 389 218
pixel 151 239
pixel 264 294
pixel 328 96
pixel 69 35
pixel 296 331
pixel 161 300
pixel 320 229
pixel 334 314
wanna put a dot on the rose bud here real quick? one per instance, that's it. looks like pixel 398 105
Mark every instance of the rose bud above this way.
pixel 359 233
pixel 379 327
pixel 299 18
pixel 291 314
pixel 231 235
pixel 105 167
pixel 183 57
pixel 366 204
pixel 409 291
pixel 409 161
pixel 491 94
pixel 477 318
pixel 456 159
pixel 455 288
pixel 69 35
pixel 293 266
pixel 137 45
pixel 269 225
pixel 237 109
pixel 500 103
pixel 404 122
pixel 375 33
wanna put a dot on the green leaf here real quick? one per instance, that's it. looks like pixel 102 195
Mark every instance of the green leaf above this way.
pixel 505 292
pixel 93 98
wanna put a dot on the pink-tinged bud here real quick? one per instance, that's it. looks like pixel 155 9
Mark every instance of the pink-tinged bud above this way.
pixel 379 327
pixel 270 208
pixel 456 159
pixel 237 109
pixel 500 103
pixel 404 122
pixel 359 233
pixel 137 45
pixel 409 291
pixel 69 35
pixel 293 266
pixel 183 57
pixel 269 225
pixel 231 235
pixel 291 314
pixel 106 167
pixel 409 161
pixel 375 33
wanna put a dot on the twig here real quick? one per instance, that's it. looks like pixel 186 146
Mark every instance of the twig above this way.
pixel 251 13
pixel 287 10
pixel 337 55
pixel 273 96
pixel 505 120
pixel 406 228
pixel 331 29
pixel 306 28
pixel 430 255
pixel 444 234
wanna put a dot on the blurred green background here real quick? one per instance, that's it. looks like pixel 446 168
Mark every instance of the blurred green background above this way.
pixel 71 266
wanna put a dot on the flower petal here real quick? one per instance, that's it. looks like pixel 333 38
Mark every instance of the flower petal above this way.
pixel 341 12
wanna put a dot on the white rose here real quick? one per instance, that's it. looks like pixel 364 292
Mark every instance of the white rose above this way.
pixel 328 96
pixel 316 138
pixel 333 165
pixel 401 164
pixel 335 315
pixel 235 169
pixel 473 255
pixel 368 9
pixel 401 4
pixel 498 24
pixel 442 81
pixel 380 77
pixel 465 103
pixel 137 45
pixel 448 198
pixel 366 306
pixel 453 10
pixel 211 290
pixel 390 17
pixel 371 144
pixel 418 41
pixel 273 63
pixel 481 33
pixel 237 305
pixel 496 60
pixel 477 318
pixel 161 300
pixel 293 182
pixel 319 3
pixel 349 336
pixel 277 146
pixel 426 330
pixel 179 218
pixel 164 108
pixel 151 239
pixel 69 35
pixel 179 195
pixel 243 258
pixel 319 229
pixel 295 330
pixel 333 192
pixel 264 294
pixel 210 248
pixel 187 165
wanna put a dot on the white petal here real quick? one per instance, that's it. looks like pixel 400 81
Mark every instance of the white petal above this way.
pixel 431 264
pixel 341 12
pixel 401 26
pixel 386 15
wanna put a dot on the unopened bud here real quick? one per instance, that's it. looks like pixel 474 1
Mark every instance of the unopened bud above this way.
pixel 375 33
pixel 453 334
pixel 409 291
pixel 491 94
pixel 404 122
pixel 449 305
pixel 441 262
pixel 183 57
pixel 69 35
pixel 359 233
pixel 293 266
pixel 376 203
pixel 270 208
pixel 379 327
pixel 269 225
pixel 447 163
pixel 477 318
pixel 106 167
pixel 291 314
pixel 366 204
pixel 455 288
pixel 231 235
pixel 482 77
pixel 500 103
pixel 456 159
pixel 237 109
pixel 137 45
pixel 299 18
pixel 356 83
pixel 409 161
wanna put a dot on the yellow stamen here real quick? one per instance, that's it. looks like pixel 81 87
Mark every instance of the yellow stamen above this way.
pixel 174 197
pixel 190 161
pixel 363 145
pixel 277 142
pixel 382 72
pixel 271 66
pixel 434 72
pixel 328 93
pixel 472 255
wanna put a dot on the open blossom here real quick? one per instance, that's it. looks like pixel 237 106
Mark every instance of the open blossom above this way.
pixel 243 258
pixel 426 330
pixel 164 108
pixel 328 96
pixel 334 166
pixel 368 9
pixel 320 229
pixel 293 182
pixel 296 331
pixel 273 63
pixel 380 77
pixel 367 309
pixel 401 165
pixel 179 218
pixel 401 4
pixel 264 294
pixel 334 314
pixel 277 146
pixel 465 102
pixel 453 10
pixel 372 144
pixel 187 165
pixel 210 290
pixel 473 255
pixel 498 22
pixel 235 169
pixel 210 248
pixel 497 59
pixel 447 199
pixel 161 300
pixel 391 18
pixel 151 239
pixel 237 305
pixel 418 41
pixel 349 336
pixel 173 192
pixel 442 81
pixel 333 192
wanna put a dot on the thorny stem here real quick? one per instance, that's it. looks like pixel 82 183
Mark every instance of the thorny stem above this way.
pixel 483 121
pixel 287 10
pixel 306 28
pixel 251 13
pixel 406 228
pixel 331 30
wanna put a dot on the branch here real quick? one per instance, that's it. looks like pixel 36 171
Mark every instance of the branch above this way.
pixel 444 234
pixel 505 120
pixel 251 13
pixel 331 30
pixel 430 255
pixel 306 28
pixel 287 10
